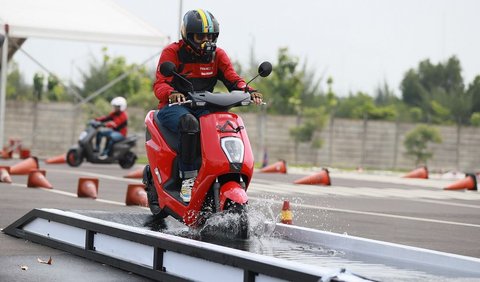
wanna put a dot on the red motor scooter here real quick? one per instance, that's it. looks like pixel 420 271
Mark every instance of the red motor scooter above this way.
pixel 226 160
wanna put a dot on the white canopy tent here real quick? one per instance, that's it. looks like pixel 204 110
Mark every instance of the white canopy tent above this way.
pixel 83 20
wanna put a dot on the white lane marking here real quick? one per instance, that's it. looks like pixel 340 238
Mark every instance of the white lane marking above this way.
pixel 447 203
pixel 70 194
pixel 276 187
pixel 302 205
pixel 379 214
pixel 86 173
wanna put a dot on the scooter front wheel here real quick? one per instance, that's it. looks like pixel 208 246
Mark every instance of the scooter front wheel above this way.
pixel 241 230
pixel 74 157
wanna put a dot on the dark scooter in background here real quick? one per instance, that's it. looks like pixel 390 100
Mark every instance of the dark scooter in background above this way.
pixel 121 151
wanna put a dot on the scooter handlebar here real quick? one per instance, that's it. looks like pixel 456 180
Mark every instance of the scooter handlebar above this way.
pixel 180 103
pixel 95 123
pixel 190 102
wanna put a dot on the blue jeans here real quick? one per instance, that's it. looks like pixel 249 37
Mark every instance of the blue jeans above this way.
pixel 170 117
pixel 112 137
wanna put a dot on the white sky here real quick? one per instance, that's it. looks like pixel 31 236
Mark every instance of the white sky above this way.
pixel 360 43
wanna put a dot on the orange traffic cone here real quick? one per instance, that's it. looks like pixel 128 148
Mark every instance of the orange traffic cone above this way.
pixel 321 178
pixel 87 187
pixel 24 166
pixel 421 172
pixel 135 174
pixel 469 182
pixel 5 174
pixel 280 167
pixel 37 179
pixel 286 216
pixel 6 154
pixel 60 159
pixel 136 195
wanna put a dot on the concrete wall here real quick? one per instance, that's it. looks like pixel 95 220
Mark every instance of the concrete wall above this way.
pixel 50 129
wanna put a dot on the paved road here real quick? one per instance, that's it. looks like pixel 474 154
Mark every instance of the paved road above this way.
pixel 406 211
pixel 415 212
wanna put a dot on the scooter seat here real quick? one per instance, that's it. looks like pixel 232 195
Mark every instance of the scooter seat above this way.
pixel 169 136
pixel 131 138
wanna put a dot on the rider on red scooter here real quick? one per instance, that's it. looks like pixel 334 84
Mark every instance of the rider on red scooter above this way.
pixel 198 59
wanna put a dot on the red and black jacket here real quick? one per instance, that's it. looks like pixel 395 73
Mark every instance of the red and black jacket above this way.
pixel 203 76
pixel 117 121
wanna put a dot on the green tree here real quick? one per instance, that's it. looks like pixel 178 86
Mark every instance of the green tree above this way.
pixel 17 88
pixel 438 90
pixel 362 105
pixel 417 140
pixel 385 96
pixel 55 90
pixel 136 86
pixel 283 86
pixel 475 119
pixel 314 120
pixel 38 79
pixel 473 92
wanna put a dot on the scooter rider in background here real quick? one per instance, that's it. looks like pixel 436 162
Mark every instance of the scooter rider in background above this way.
pixel 117 120
pixel 201 62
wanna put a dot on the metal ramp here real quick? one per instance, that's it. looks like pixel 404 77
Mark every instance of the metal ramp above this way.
pixel 389 253
pixel 157 255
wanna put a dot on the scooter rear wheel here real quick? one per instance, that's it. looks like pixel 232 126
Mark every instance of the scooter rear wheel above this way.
pixel 152 195
pixel 74 157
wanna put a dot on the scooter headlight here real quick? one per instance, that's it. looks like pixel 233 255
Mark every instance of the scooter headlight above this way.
pixel 233 149
pixel 82 135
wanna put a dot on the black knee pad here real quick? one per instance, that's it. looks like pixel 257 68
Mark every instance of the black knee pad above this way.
pixel 189 124
pixel 189 128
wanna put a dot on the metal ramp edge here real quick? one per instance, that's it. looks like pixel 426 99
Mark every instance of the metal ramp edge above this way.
pixel 420 257
pixel 157 255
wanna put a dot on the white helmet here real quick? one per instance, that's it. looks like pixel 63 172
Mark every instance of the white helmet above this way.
pixel 119 102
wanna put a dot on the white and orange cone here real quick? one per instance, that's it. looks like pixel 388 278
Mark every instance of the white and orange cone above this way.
pixel 5 174
pixel 286 215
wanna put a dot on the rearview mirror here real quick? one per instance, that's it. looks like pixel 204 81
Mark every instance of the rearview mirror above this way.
pixel 167 69
pixel 265 69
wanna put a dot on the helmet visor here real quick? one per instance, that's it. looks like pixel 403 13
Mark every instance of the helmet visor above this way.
pixel 202 37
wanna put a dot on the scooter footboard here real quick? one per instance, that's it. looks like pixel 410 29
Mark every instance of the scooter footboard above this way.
pixel 234 192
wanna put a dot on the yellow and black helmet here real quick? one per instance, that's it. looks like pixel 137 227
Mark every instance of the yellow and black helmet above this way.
pixel 200 22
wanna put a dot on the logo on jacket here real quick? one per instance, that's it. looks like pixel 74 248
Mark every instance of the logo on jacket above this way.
pixel 204 71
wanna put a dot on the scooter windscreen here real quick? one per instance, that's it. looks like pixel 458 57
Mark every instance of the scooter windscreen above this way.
pixel 220 100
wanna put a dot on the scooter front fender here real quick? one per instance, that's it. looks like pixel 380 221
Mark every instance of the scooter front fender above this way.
pixel 234 192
